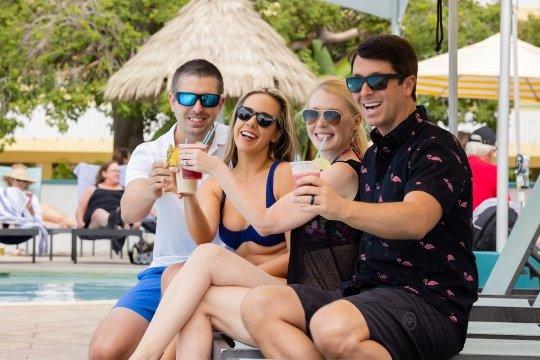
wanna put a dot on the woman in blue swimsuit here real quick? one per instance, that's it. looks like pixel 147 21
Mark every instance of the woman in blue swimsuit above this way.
pixel 210 287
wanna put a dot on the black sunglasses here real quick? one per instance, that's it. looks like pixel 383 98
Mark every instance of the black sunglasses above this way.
pixel 375 82
pixel 333 117
pixel 190 99
pixel 263 119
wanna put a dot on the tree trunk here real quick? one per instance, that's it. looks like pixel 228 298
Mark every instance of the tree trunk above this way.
pixel 128 132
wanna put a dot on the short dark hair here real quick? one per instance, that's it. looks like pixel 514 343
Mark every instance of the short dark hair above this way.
pixel 200 68
pixel 393 49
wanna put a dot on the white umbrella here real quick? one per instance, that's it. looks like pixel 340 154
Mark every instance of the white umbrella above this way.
pixel 479 71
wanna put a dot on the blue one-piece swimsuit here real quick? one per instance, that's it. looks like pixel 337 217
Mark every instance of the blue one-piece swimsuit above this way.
pixel 234 239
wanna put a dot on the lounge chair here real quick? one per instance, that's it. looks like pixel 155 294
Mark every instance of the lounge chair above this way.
pixel 86 174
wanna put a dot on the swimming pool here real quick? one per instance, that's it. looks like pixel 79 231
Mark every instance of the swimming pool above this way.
pixel 17 286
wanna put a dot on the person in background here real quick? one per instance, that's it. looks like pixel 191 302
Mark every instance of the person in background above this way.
pixel 19 207
pixel 100 203
pixel 481 154
pixel 121 156
pixel 47 214
pixel 463 138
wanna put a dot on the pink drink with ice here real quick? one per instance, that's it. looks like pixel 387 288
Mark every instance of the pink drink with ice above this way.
pixel 297 176
pixel 303 168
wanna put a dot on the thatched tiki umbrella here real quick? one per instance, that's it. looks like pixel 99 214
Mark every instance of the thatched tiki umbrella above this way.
pixel 230 34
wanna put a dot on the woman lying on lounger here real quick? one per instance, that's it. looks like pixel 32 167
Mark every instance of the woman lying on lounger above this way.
pixel 207 291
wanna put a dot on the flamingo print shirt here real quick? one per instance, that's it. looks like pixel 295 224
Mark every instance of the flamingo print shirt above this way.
pixel 420 156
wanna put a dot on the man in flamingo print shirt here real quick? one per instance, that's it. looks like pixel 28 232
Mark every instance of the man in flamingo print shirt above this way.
pixel 416 278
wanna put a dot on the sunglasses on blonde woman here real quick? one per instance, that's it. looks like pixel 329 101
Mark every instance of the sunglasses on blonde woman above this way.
pixel 332 117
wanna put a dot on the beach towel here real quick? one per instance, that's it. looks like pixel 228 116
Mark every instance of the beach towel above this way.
pixel 13 211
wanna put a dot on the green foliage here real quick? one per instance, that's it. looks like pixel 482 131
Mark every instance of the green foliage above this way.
pixel 529 30
pixel 61 53
pixel 63 170
pixel 475 22
pixel 322 57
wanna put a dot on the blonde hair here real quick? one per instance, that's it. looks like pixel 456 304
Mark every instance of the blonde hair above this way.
pixel 285 148
pixel 337 86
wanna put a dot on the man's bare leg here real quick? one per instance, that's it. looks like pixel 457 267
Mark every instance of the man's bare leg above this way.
pixel 275 318
pixel 339 331
pixel 118 335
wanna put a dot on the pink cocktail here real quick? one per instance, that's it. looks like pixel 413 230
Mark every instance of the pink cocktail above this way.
pixel 303 168
pixel 298 176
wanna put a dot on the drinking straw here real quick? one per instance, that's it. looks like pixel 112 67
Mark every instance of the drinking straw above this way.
pixel 209 134
pixel 321 147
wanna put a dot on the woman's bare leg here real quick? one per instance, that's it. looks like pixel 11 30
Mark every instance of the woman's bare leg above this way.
pixel 55 216
pixel 98 219
pixel 219 309
pixel 208 265
pixel 166 278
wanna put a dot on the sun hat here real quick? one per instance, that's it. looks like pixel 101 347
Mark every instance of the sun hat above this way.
pixel 18 172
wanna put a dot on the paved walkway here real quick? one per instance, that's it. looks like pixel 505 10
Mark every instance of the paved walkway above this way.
pixel 49 331
pixel 54 330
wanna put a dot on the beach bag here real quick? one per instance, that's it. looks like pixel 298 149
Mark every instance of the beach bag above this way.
pixel 141 253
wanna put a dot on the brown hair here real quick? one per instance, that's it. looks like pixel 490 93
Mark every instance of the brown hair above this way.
pixel 199 68
pixel 285 147
pixel 120 156
pixel 102 168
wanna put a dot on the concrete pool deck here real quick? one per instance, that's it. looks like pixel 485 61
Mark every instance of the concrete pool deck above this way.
pixel 54 330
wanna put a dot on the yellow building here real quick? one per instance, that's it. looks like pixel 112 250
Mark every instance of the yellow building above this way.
pixel 90 139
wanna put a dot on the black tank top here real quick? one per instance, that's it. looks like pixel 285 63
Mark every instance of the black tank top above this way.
pixel 323 252
pixel 105 199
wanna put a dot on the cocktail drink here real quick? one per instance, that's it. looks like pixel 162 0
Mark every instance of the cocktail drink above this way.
pixel 304 168
pixel 186 182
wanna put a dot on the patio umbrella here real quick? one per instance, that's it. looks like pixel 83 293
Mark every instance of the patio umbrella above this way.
pixel 228 33
pixel 479 71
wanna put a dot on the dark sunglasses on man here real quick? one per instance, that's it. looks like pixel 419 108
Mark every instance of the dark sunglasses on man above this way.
pixel 375 81
pixel 263 119
pixel 190 99
pixel 332 117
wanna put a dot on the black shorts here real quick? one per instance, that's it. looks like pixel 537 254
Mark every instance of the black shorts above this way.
pixel 402 322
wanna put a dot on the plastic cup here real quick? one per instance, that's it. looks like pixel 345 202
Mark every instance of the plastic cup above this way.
pixel 303 168
pixel 186 182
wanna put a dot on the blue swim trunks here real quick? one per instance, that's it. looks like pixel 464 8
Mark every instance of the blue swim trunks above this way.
pixel 144 297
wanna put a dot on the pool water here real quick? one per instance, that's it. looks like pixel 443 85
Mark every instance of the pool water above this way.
pixel 29 286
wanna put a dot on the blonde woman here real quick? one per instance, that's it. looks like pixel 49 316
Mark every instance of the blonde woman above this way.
pixel 207 292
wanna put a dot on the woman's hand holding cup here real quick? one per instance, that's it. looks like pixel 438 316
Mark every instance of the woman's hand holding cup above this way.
pixel 193 157
pixel 315 196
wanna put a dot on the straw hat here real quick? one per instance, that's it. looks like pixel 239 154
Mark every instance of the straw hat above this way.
pixel 18 172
